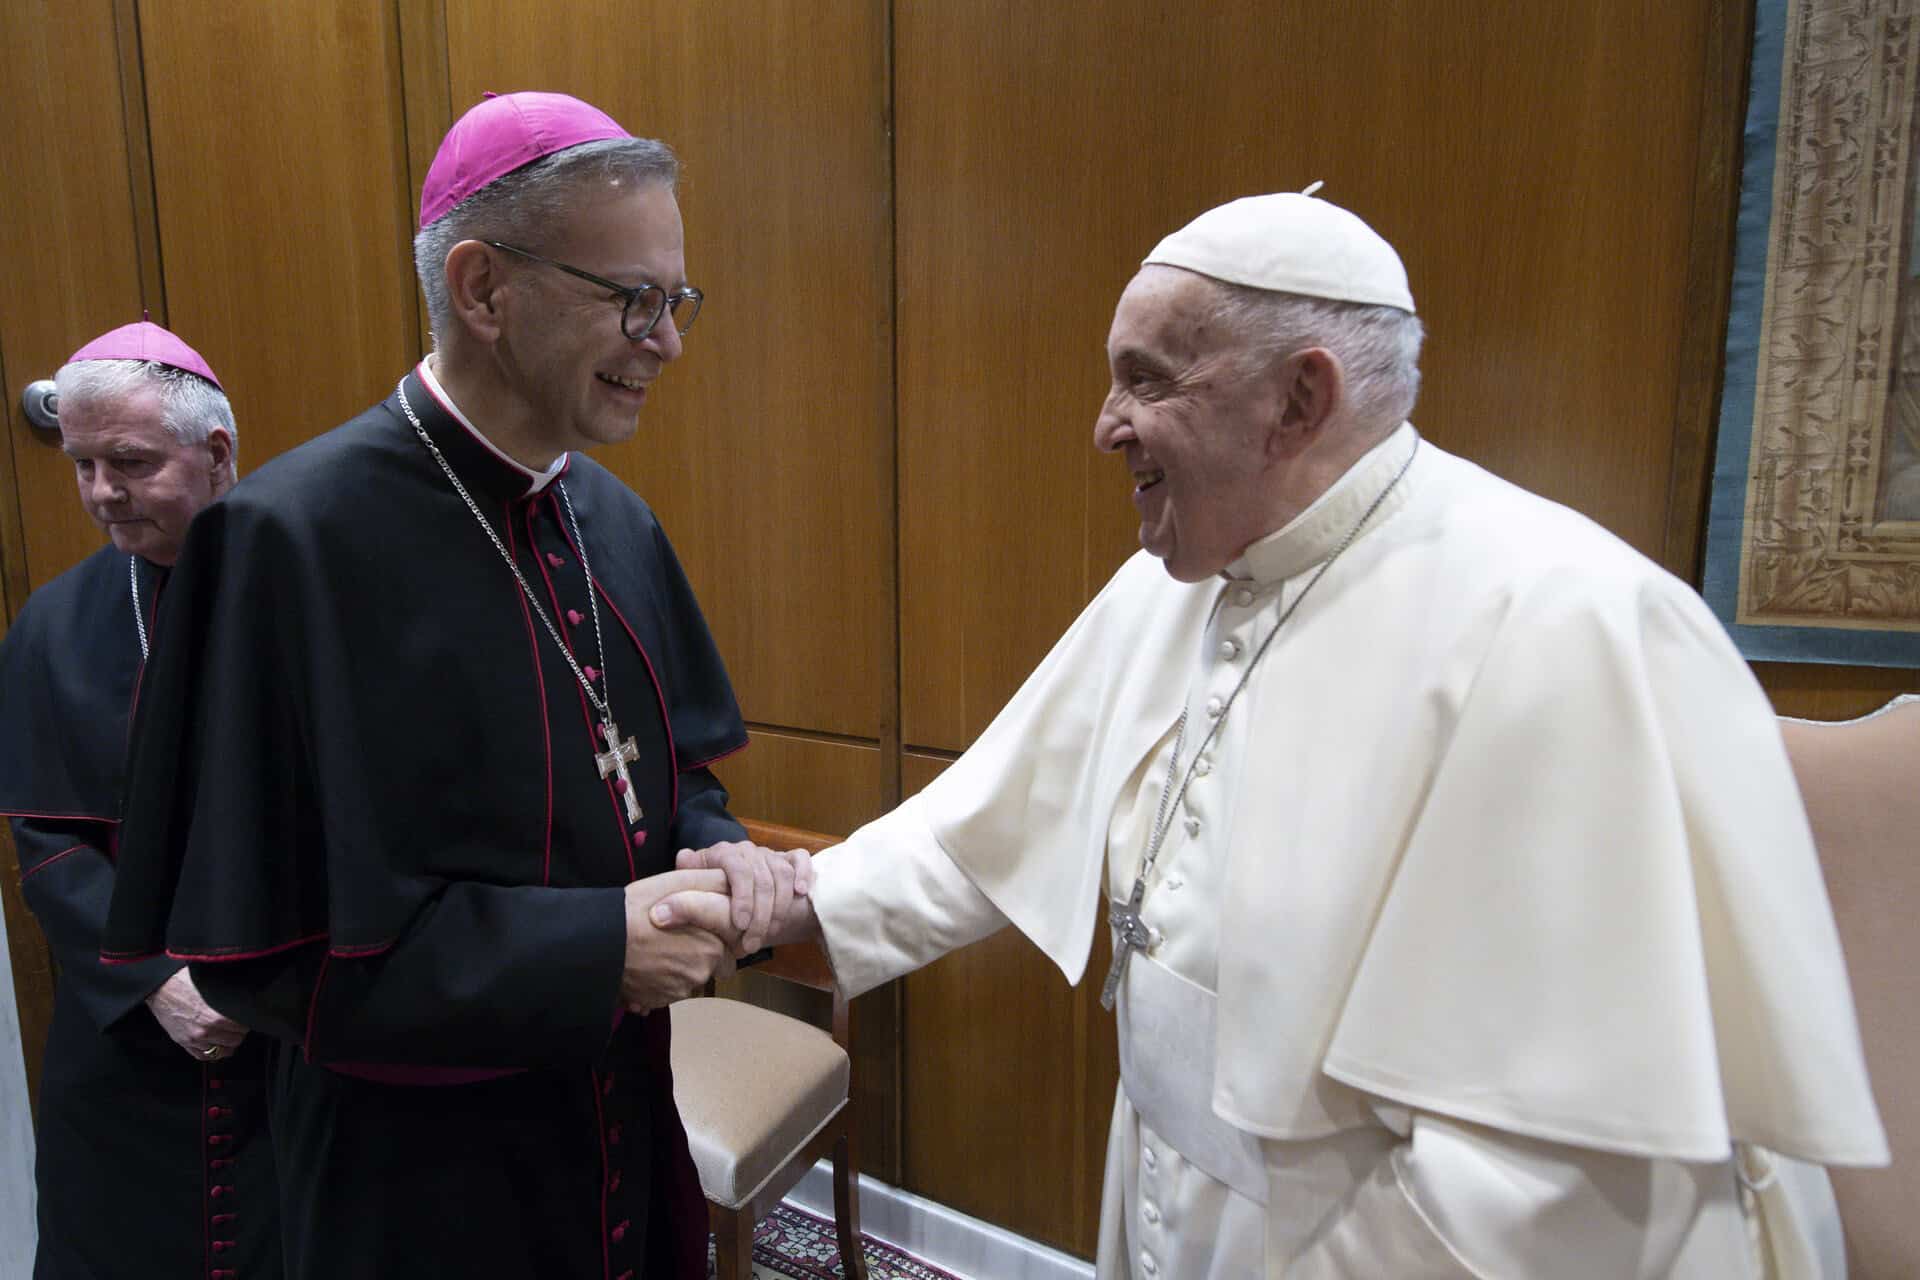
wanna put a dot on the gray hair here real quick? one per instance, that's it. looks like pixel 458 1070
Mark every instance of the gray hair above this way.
pixel 190 406
pixel 1378 347
pixel 521 207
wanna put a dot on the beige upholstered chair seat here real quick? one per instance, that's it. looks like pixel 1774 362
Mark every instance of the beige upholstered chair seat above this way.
pixel 737 1072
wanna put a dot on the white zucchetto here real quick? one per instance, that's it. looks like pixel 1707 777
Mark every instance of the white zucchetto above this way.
pixel 1290 243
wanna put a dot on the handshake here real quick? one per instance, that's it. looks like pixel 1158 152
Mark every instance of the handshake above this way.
pixel 687 926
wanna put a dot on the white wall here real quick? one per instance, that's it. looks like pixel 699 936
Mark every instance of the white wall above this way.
pixel 16 1133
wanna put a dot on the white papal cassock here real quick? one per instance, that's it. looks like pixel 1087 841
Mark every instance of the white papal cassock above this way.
pixel 1488 923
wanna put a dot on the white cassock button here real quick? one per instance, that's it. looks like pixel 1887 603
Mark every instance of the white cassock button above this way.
pixel 1173 883
pixel 1203 766
pixel 1214 707
pixel 1148 1159
pixel 1193 826
pixel 1147 1265
pixel 1229 650
pixel 1151 1212
pixel 1243 597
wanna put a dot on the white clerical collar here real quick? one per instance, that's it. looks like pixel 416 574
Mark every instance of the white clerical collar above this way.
pixel 1312 536
pixel 537 481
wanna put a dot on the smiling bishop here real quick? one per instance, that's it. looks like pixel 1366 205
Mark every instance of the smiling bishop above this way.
pixel 445 711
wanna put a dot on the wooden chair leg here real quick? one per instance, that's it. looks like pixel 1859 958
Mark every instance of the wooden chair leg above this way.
pixel 732 1244
pixel 846 1211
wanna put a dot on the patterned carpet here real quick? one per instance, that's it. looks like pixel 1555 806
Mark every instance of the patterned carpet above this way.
pixel 791 1245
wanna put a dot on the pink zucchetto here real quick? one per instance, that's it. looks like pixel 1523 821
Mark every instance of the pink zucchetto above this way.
pixel 145 340
pixel 1290 243
pixel 502 133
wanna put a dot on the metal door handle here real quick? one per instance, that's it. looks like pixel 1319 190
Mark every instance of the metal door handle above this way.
pixel 41 405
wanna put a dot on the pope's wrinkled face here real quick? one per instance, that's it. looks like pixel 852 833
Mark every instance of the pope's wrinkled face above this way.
pixel 583 381
pixel 1191 414
pixel 136 480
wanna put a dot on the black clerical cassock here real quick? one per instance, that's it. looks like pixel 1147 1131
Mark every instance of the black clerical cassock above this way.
pixel 373 814
pixel 146 1161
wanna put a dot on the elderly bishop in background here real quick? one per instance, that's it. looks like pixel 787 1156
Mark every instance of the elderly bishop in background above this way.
pixel 153 1111
pixel 1466 914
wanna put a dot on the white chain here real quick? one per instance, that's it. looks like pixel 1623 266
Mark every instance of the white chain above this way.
pixel 1165 817
pixel 139 619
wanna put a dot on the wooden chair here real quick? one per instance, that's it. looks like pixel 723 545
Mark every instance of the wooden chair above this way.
pixel 764 1096
pixel 1860 780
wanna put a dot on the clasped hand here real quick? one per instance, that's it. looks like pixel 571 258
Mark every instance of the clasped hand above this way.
pixel 686 927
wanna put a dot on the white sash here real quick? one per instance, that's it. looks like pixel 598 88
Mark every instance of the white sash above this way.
pixel 1166 1067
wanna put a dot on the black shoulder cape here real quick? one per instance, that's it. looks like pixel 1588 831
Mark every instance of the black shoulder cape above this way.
pixel 350 707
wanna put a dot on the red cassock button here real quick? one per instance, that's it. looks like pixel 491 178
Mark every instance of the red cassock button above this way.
pixel 219 1163
pixel 214 1113
pixel 575 617
pixel 613 1183
pixel 219 1139
pixel 619 1233
pixel 592 674
pixel 554 560
pixel 613 1135
pixel 217 1192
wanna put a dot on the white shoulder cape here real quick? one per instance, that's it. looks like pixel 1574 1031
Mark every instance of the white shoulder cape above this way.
pixel 1518 841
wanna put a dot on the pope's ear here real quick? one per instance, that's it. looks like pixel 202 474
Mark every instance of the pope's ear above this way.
pixel 1311 386
pixel 474 283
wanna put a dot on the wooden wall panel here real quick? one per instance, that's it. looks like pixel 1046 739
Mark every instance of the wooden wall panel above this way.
pixel 67 245
pixel 280 179
pixel 1009 1078
pixel 768 449
pixel 832 787
pixel 68 254
pixel 817 783
pixel 1534 163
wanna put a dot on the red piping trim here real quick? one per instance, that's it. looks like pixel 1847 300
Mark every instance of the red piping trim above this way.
pixel 730 751
pixel 586 711
pixel 58 817
pixel 44 863
pixel 217 957
pixel 540 679
pixel 659 695
pixel 361 952
pixel 600 1131
pixel 313 1007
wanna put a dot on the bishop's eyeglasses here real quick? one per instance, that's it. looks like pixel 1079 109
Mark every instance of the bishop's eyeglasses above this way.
pixel 645 304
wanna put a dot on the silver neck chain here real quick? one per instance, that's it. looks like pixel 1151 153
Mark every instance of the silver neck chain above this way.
pixel 1169 797
pixel 139 616
pixel 602 705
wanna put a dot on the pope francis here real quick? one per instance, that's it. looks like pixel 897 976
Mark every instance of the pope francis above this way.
pixel 1466 919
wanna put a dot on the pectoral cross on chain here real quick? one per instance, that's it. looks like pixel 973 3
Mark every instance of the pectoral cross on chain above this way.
pixel 614 761
pixel 1134 936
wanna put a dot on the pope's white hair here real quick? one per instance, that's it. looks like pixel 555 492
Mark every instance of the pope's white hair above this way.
pixel 1378 347
pixel 190 406
pixel 523 207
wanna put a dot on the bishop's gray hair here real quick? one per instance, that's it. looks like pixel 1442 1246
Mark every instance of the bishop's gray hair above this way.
pixel 190 406
pixel 522 208
pixel 1378 347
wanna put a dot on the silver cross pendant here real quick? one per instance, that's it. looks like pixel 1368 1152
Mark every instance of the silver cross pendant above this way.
pixel 614 761
pixel 1134 935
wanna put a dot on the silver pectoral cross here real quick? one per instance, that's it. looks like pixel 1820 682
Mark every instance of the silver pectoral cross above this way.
pixel 614 761
pixel 1134 935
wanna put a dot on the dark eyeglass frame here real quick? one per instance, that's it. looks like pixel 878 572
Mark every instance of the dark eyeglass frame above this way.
pixel 634 296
